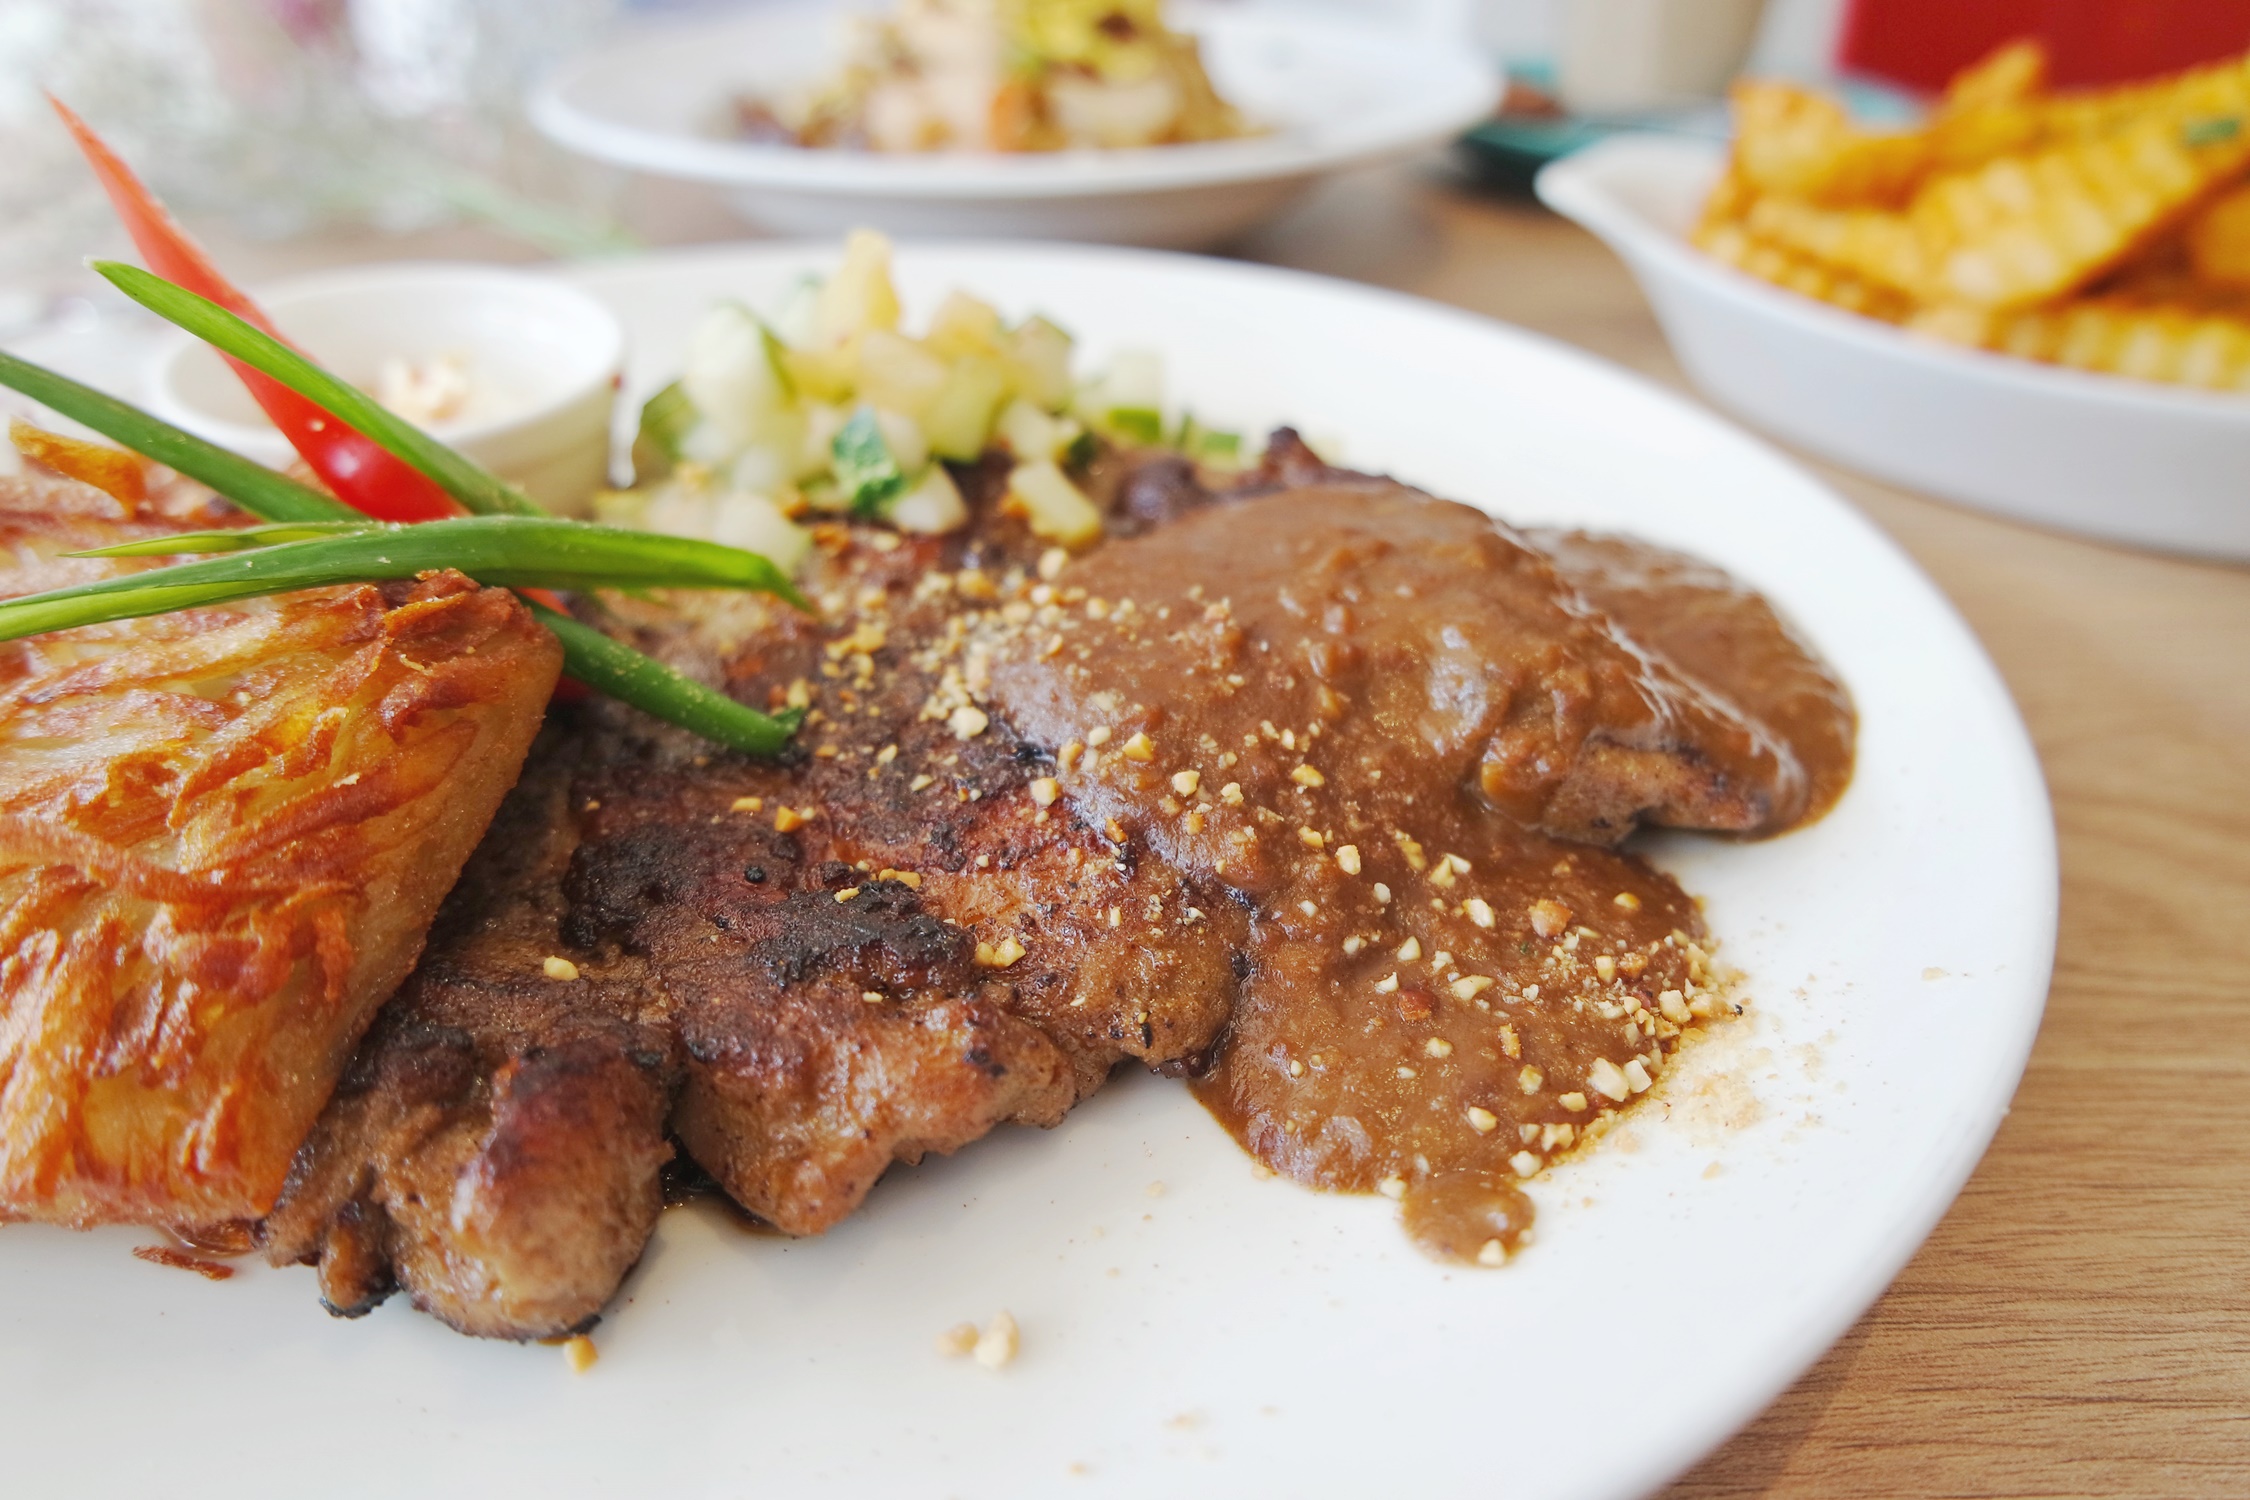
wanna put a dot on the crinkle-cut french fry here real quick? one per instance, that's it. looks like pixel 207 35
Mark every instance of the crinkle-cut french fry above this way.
pixel 2027 229
pixel 1990 109
pixel 1792 141
pixel 2111 335
pixel 1733 244
pixel 2218 240
pixel 1874 244
pixel 2010 74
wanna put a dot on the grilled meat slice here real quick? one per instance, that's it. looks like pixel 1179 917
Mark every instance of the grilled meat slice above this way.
pixel 883 948
pixel 980 881
pixel 496 1145
pixel 223 833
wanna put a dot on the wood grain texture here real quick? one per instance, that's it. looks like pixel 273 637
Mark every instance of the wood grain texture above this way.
pixel 2080 1323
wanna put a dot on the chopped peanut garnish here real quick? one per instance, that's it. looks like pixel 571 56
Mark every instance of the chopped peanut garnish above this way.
pixel 1627 900
pixel 1409 950
pixel 1608 1080
pixel 1000 955
pixel 1530 1079
pixel 788 819
pixel 578 1353
pixel 1306 776
pixel 1045 790
pixel 559 968
pixel 1347 859
pixel 1231 794
pixel 749 804
pixel 997 1345
pixel 1140 747
pixel 1480 911
pixel 968 721
pixel 1574 1102
pixel 1483 1121
pixel 1549 918
pixel 1185 783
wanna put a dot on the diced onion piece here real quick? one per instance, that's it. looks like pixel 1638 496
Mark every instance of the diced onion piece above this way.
pixel 1032 434
pixel 1040 362
pixel 964 325
pixel 959 422
pixel 1128 400
pixel 756 524
pixel 859 296
pixel 903 436
pixel 898 374
pixel 1053 506
pixel 932 507
pixel 822 423
pixel 736 387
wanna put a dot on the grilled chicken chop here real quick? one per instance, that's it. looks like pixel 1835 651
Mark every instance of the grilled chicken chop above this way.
pixel 933 919
pixel 223 833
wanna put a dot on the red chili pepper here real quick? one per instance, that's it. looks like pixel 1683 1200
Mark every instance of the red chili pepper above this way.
pixel 358 472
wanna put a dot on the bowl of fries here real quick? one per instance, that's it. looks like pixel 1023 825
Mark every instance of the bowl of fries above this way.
pixel 2032 301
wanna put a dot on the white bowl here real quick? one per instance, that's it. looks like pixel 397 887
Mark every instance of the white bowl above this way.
pixel 545 356
pixel 2125 460
pixel 1334 91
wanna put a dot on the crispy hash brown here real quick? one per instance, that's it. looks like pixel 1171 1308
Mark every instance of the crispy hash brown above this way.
pixel 2094 229
pixel 223 833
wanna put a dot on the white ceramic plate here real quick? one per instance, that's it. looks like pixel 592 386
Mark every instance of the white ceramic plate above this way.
pixel 1232 1336
pixel 2124 460
pixel 1336 92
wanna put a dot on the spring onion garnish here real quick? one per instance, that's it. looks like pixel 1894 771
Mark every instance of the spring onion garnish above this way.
pixel 478 489
pixel 253 486
pixel 509 551
pixel 626 675
pixel 316 540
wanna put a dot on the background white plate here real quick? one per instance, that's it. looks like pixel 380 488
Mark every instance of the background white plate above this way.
pixel 1335 91
pixel 2125 460
pixel 1233 1336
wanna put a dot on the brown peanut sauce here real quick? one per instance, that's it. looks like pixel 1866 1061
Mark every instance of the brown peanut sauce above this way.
pixel 1408 742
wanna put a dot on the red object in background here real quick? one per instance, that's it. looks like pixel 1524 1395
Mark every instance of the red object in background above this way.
pixel 1923 43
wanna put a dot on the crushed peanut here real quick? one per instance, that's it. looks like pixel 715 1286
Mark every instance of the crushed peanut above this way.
pixel 1186 783
pixel 749 804
pixel 1549 918
pixel 579 1353
pixel 1000 955
pixel 1000 1341
pixel 1483 1121
pixel 1045 790
pixel 1526 1164
pixel 559 968
pixel 1305 776
pixel 1608 1080
pixel 1347 859
pixel 1480 911
pixel 1140 747
pixel 1531 1079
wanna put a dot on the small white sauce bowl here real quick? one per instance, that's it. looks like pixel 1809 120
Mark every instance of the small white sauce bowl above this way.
pixel 547 358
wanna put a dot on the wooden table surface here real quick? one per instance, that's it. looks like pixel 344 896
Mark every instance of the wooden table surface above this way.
pixel 2080 1322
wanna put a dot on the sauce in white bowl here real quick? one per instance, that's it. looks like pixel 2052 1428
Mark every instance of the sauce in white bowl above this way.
pixel 514 368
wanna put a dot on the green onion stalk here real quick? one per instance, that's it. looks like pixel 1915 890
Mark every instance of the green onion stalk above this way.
pixel 313 540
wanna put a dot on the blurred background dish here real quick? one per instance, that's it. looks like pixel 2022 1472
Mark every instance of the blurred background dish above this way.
pixel 1325 89
pixel 2152 465
pixel 516 369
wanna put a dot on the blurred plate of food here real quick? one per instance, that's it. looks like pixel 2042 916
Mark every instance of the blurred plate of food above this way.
pixel 1060 120
pixel 2033 301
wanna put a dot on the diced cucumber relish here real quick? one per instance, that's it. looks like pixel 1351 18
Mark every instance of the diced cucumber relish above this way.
pixel 827 406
